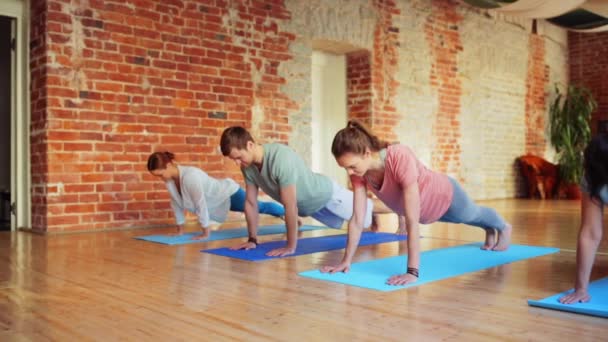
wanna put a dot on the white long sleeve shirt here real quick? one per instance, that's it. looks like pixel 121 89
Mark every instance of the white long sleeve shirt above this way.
pixel 206 197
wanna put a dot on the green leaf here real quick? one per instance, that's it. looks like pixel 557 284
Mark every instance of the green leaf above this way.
pixel 569 130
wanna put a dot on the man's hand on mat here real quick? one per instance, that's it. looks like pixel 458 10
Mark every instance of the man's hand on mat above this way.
pixel 402 279
pixel 283 251
pixel 577 296
pixel 341 267
pixel 245 245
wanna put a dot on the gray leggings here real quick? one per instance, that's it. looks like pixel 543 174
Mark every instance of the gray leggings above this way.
pixel 464 210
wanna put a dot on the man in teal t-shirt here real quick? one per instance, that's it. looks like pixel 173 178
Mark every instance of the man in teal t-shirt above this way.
pixel 283 175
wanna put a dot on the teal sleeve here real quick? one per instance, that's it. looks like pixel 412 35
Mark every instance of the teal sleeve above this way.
pixel 285 169
pixel 248 177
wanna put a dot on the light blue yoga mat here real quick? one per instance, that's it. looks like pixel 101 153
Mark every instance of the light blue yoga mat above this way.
pixel 305 246
pixel 435 265
pixel 222 234
pixel 597 306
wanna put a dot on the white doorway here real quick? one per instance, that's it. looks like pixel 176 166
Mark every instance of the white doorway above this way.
pixel 329 113
pixel 14 116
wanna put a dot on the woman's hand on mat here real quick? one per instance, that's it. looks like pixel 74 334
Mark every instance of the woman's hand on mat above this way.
pixel 283 251
pixel 580 295
pixel 245 245
pixel 402 279
pixel 341 267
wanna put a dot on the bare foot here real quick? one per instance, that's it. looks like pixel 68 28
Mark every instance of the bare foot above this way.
pixel 504 239
pixel 490 240
pixel 300 224
pixel 205 234
pixel 401 231
pixel 201 236
pixel 374 226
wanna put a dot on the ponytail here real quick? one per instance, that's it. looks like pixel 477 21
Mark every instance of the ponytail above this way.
pixel 356 138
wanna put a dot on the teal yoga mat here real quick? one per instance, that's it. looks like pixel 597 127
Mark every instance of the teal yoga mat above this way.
pixel 435 265
pixel 597 306
pixel 222 234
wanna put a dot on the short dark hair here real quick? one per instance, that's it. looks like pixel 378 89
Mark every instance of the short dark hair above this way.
pixel 234 137
pixel 159 160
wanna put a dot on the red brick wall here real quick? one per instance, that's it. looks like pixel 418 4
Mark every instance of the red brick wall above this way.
pixel 358 87
pixel 113 82
pixel 588 55
pixel 536 85
pixel 385 66
pixel 443 37
pixel 38 97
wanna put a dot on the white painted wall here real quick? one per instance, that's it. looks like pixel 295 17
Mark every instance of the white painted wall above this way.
pixel 328 111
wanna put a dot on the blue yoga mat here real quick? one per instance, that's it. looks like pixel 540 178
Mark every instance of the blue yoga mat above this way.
pixel 435 265
pixel 305 246
pixel 222 234
pixel 597 306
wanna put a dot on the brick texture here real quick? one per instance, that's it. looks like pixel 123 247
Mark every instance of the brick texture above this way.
pixel 537 83
pixel 588 53
pixel 114 81
pixel 444 40
pixel 385 61
pixel 358 87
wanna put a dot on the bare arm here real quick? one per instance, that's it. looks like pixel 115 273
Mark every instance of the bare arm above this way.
pixel 589 237
pixel 289 201
pixel 196 192
pixel 355 227
pixel 180 219
pixel 251 215
pixel 411 198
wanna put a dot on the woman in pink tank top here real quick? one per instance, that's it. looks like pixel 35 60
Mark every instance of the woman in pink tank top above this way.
pixel 404 184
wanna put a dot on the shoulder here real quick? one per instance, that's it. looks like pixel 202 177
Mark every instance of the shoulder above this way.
pixel 280 155
pixel 398 152
pixel 278 149
pixel 192 174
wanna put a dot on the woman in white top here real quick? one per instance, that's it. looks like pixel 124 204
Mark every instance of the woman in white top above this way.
pixel 208 198
pixel 594 188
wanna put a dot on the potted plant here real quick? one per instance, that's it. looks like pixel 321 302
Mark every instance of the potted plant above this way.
pixel 570 131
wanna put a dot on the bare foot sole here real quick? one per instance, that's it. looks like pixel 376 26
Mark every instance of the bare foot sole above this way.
pixel 490 240
pixel 504 239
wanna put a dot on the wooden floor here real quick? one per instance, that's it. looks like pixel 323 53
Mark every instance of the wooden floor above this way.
pixel 108 286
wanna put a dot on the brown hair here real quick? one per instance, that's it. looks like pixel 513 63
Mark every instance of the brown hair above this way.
pixel 159 160
pixel 234 137
pixel 355 138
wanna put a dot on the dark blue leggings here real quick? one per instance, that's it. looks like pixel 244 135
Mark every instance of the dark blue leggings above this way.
pixel 237 203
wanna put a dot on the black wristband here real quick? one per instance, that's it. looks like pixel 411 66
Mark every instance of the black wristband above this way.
pixel 254 240
pixel 413 271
